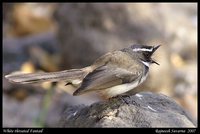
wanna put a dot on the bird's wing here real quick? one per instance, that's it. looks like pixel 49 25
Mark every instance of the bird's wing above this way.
pixel 105 77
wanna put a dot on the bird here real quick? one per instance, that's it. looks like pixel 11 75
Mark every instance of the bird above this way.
pixel 112 74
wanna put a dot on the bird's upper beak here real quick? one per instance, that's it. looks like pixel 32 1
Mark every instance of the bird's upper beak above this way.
pixel 155 48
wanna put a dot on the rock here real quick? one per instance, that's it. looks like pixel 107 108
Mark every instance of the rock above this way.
pixel 87 31
pixel 33 21
pixel 144 109
pixel 18 50
pixel 21 114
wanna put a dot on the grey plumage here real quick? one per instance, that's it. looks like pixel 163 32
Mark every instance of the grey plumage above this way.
pixel 118 68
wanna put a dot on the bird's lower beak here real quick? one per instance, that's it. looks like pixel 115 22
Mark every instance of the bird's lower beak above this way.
pixel 152 61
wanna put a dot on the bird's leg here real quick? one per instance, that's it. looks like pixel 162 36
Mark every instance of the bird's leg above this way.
pixel 121 97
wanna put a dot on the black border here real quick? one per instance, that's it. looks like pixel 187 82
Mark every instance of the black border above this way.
pixel 136 130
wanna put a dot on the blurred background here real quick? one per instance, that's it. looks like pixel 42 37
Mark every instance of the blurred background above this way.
pixel 51 37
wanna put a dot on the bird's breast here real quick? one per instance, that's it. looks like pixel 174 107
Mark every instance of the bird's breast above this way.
pixel 123 88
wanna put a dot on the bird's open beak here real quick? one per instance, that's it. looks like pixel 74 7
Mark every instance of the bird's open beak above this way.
pixel 154 49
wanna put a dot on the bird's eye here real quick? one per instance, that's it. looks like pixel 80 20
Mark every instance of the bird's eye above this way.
pixel 146 54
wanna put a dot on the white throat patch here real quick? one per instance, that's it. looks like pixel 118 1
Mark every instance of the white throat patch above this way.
pixel 145 63
pixel 142 49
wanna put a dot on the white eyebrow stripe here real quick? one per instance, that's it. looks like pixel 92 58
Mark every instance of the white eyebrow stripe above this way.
pixel 142 49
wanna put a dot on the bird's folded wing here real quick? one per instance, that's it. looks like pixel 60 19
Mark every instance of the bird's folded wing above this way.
pixel 105 77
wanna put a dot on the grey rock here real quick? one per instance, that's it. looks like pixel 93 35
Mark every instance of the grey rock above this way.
pixel 145 109
pixel 87 31
pixel 21 114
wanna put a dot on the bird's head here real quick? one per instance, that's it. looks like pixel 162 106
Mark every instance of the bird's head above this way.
pixel 144 53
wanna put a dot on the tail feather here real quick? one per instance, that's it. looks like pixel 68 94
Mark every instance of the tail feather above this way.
pixel 66 75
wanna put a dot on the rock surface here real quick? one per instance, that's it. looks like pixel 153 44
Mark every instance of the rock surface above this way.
pixel 141 110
